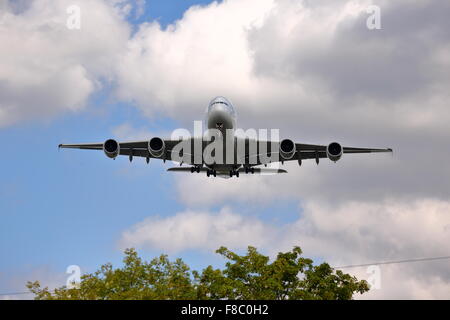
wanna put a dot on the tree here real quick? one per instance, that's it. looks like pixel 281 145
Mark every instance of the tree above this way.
pixel 251 276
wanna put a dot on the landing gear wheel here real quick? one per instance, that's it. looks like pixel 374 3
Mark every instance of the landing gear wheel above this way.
pixel 237 174
pixel 208 173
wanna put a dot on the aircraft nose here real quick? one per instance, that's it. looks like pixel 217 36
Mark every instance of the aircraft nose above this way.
pixel 219 118
pixel 218 107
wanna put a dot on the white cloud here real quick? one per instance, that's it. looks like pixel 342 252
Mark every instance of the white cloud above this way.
pixel 47 68
pixel 297 63
pixel 140 8
pixel 300 64
pixel 176 71
pixel 126 132
pixel 390 230
pixel 402 281
pixel 196 230
pixel 352 233
pixel 314 70
pixel 385 230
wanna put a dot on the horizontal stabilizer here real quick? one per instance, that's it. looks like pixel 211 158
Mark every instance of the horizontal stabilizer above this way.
pixel 185 169
pixel 266 170
pixel 241 170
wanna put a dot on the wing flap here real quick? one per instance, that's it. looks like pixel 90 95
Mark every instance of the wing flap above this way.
pixel 87 146
pixel 136 152
pixel 266 171
pixel 365 150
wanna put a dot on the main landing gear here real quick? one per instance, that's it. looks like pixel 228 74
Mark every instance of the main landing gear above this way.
pixel 234 173
pixel 211 172
pixel 250 170
pixel 246 169
pixel 195 169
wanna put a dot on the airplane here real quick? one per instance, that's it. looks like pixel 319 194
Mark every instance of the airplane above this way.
pixel 242 154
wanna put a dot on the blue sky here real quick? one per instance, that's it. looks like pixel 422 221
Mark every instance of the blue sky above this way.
pixel 166 12
pixel 63 207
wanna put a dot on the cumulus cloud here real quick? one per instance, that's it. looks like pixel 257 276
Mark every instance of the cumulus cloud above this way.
pixel 349 215
pixel 366 232
pixel 402 281
pixel 375 230
pixel 353 233
pixel 196 230
pixel 140 8
pixel 301 64
pixel 314 70
pixel 128 132
pixel 306 64
pixel 177 70
pixel 47 68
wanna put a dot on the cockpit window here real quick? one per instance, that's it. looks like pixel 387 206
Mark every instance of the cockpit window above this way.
pixel 222 102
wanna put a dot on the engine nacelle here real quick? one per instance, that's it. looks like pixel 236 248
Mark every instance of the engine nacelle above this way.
pixel 334 151
pixel 156 147
pixel 287 149
pixel 111 148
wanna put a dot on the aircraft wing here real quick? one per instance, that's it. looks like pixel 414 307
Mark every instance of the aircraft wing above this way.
pixel 129 148
pixel 310 151
pixel 301 151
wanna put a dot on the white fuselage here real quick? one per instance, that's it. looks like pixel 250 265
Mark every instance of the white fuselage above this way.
pixel 222 116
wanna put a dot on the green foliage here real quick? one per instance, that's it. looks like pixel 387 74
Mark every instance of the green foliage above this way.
pixel 251 276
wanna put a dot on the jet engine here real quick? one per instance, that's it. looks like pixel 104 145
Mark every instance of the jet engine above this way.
pixel 156 147
pixel 111 148
pixel 287 149
pixel 334 151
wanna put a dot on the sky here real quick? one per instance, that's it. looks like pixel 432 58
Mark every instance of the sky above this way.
pixel 138 69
